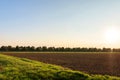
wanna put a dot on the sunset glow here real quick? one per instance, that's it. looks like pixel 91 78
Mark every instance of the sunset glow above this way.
pixel 112 35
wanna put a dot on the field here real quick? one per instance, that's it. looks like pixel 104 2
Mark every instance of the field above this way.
pixel 92 63
pixel 12 68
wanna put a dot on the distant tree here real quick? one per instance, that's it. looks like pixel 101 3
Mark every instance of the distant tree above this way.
pixel 67 49
pixel 17 48
pixel 32 48
pixel 84 49
pixel 4 48
pixel 44 48
pixel 116 50
pixel 57 49
pixel 9 48
pixel 51 48
pixel 106 50
pixel 39 49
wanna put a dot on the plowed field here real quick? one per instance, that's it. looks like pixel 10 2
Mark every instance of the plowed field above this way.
pixel 93 63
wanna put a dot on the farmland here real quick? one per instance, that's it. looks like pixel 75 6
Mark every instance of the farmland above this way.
pixel 92 63
pixel 12 68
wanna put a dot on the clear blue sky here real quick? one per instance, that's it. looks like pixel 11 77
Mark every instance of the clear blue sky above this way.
pixel 69 23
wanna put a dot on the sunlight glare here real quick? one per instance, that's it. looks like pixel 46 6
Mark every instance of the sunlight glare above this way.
pixel 112 35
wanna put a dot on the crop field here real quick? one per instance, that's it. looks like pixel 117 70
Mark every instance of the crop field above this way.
pixel 92 63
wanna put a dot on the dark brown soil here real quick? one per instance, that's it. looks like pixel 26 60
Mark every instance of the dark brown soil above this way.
pixel 93 63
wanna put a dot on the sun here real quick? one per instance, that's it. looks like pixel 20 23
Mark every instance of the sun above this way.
pixel 112 35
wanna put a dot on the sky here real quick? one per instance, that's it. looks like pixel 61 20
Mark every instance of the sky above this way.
pixel 67 23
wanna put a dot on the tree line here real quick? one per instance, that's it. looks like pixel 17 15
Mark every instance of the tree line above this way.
pixel 56 49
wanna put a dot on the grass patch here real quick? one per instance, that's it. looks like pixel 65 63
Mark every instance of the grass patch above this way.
pixel 12 68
